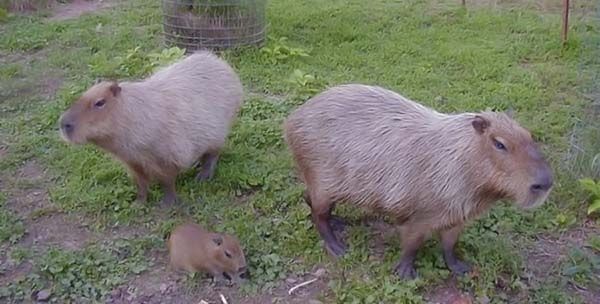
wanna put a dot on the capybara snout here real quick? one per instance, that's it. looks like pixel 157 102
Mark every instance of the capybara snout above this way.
pixel 519 167
pixel 86 119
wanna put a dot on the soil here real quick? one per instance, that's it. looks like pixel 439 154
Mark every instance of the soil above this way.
pixel 77 8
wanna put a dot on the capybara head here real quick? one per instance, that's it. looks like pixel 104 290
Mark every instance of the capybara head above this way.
pixel 90 118
pixel 227 255
pixel 518 168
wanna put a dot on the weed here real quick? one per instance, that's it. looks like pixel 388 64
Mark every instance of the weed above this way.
pixel 19 254
pixel 11 227
pixel 593 188
pixel 86 275
pixel 594 243
pixel 277 50
pixel 583 267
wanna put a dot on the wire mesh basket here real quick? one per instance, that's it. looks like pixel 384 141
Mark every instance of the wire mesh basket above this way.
pixel 213 24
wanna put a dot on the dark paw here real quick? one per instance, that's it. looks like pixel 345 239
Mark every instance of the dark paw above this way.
pixel 335 248
pixel 406 271
pixel 204 175
pixel 168 201
pixel 459 268
pixel 337 223
pixel 141 198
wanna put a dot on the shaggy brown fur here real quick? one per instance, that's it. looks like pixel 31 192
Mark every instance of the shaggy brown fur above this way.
pixel 433 172
pixel 191 248
pixel 162 125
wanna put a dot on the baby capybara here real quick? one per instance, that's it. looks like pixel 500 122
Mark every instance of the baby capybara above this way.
pixel 431 171
pixel 194 249
pixel 162 125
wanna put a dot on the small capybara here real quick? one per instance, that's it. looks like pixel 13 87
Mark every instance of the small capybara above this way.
pixel 431 171
pixel 193 249
pixel 162 125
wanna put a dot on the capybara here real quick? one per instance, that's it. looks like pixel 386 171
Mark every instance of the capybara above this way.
pixel 161 125
pixel 431 171
pixel 193 249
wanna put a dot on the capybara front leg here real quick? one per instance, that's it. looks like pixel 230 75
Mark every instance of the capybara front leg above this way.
pixel 208 166
pixel 337 223
pixel 141 182
pixel 449 239
pixel 412 239
pixel 170 195
pixel 321 215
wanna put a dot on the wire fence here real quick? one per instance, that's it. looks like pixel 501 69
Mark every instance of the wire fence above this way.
pixel 213 24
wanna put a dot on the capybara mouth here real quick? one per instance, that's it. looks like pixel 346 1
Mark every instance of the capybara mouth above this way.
pixel 536 200
pixel 69 138
pixel 64 135
pixel 227 276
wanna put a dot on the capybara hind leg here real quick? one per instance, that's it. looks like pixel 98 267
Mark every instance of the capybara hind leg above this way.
pixel 168 186
pixel 141 182
pixel 412 239
pixel 449 239
pixel 321 215
pixel 337 223
pixel 208 166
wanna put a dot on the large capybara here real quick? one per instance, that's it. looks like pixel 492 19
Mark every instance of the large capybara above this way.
pixel 161 125
pixel 431 171
pixel 194 249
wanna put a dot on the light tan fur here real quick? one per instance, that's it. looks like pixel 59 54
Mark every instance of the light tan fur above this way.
pixel 432 171
pixel 193 249
pixel 163 124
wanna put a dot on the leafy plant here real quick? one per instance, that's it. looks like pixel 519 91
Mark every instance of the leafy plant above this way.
pixel 165 57
pixel 138 63
pixel 564 220
pixel 280 51
pixel 582 266
pixel 305 83
pixel 594 189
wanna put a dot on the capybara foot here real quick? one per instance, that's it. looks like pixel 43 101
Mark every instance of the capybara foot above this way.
pixel 459 267
pixel 406 271
pixel 141 197
pixel 335 248
pixel 209 164
pixel 204 175
pixel 169 200
pixel 337 223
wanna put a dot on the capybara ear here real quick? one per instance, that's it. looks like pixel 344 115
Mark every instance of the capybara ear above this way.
pixel 217 239
pixel 97 81
pixel 115 88
pixel 480 124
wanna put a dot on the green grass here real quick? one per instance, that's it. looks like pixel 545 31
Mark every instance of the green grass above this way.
pixel 11 228
pixel 448 58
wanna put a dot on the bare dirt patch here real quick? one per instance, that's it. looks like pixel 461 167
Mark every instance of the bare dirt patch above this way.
pixel 450 294
pixel 547 257
pixel 45 224
pixel 77 8
pixel 161 284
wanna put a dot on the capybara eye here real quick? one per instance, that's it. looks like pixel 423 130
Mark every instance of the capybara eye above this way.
pixel 99 103
pixel 499 145
pixel 227 254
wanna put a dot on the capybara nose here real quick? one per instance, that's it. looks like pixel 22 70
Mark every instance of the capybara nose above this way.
pixel 67 127
pixel 543 182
